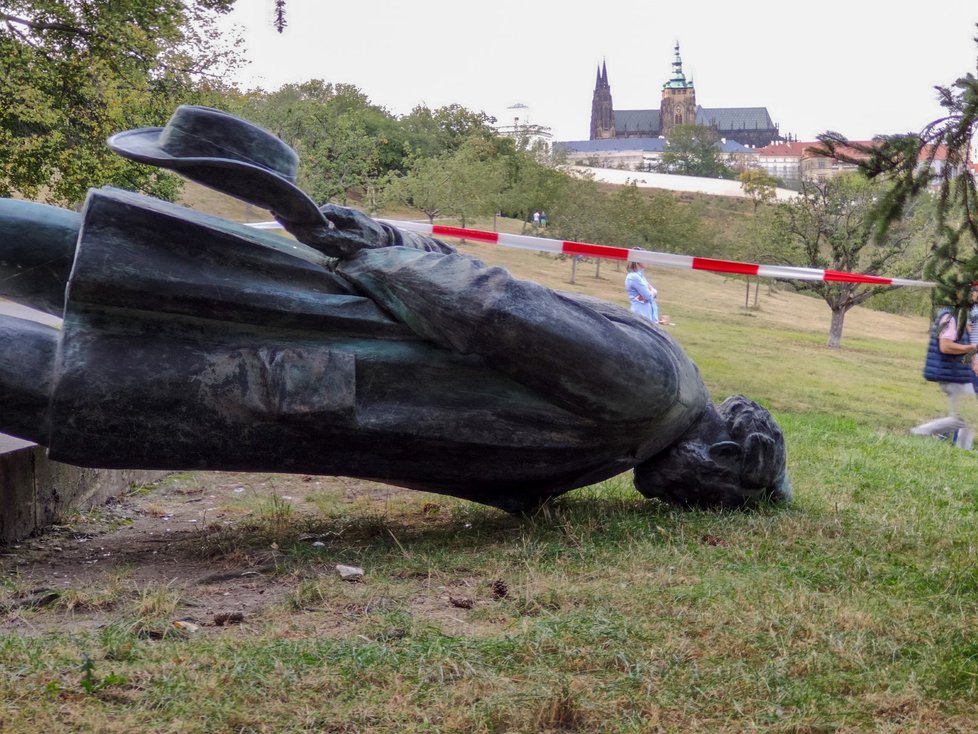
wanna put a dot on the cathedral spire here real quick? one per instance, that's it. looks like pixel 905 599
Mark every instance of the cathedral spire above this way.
pixel 601 81
pixel 602 108
pixel 678 79
pixel 678 106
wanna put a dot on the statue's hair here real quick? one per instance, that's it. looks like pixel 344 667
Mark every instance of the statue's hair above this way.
pixel 733 457
pixel 755 430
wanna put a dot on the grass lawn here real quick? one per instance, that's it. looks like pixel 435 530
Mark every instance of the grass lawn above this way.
pixel 853 609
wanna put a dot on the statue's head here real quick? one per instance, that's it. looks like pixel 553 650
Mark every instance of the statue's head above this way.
pixel 734 456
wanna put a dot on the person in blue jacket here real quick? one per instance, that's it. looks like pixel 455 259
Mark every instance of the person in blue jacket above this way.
pixel 949 363
pixel 641 294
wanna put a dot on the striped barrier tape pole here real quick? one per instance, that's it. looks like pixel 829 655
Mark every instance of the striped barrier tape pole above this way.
pixel 646 257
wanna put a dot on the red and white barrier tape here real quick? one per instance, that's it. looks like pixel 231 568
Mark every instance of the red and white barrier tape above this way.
pixel 646 257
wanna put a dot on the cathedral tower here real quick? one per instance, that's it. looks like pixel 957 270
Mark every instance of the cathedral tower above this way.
pixel 678 98
pixel 602 111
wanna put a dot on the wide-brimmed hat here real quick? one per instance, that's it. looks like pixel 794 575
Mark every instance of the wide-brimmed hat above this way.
pixel 225 153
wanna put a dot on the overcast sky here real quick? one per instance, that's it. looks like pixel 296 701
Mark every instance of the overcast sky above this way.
pixel 860 67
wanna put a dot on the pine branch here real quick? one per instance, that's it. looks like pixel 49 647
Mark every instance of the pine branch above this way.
pixel 280 15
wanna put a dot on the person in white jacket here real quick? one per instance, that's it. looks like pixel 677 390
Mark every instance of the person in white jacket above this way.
pixel 641 294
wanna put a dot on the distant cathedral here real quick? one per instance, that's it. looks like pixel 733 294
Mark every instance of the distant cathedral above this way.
pixel 747 125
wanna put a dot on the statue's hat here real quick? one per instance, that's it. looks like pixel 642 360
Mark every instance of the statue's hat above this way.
pixel 225 153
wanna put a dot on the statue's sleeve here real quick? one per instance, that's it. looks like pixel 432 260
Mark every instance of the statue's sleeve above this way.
pixel 587 356
pixel 347 231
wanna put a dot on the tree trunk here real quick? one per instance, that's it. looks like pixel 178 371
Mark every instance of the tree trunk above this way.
pixel 835 330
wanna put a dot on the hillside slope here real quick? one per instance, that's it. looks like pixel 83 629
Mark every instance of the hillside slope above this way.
pixel 698 295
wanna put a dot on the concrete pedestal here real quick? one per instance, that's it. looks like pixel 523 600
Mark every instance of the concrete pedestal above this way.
pixel 35 491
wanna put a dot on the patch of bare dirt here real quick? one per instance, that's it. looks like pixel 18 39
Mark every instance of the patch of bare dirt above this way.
pixel 77 574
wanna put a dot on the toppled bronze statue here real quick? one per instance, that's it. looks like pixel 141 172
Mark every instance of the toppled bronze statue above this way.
pixel 191 342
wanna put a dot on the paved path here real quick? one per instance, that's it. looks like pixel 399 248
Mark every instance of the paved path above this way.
pixel 642 179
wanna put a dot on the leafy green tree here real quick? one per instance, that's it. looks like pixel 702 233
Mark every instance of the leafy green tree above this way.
pixel 443 130
pixel 476 181
pixel 342 161
pixel 350 146
pixel 72 73
pixel 655 220
pixel 290 111
pixel 466 183
pixel 422 188
pixel 694 150
pixel 758 185
pixel 531 185
pixel 627 217
pixel 828 226
pixel 346 143
pixel 582 212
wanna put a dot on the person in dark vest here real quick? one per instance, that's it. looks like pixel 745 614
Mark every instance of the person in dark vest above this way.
pixel 946 364
pixel 192 342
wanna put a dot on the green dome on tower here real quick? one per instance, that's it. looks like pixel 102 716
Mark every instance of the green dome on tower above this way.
pixel 678 80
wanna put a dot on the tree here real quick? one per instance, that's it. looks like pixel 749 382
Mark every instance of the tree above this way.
pixel 828 226
pixel 342 160
pixel 582 212
pixel 531 185
pixel 909 165
pixel 693 150
pixel 349 145
pixel 758 185
pixel 346 143
pixel 627 217
pixel 463 184
pixel 72 73
pixel 443 130
pixel 422 188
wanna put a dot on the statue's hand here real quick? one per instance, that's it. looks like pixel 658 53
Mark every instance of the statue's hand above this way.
pixel 345 232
